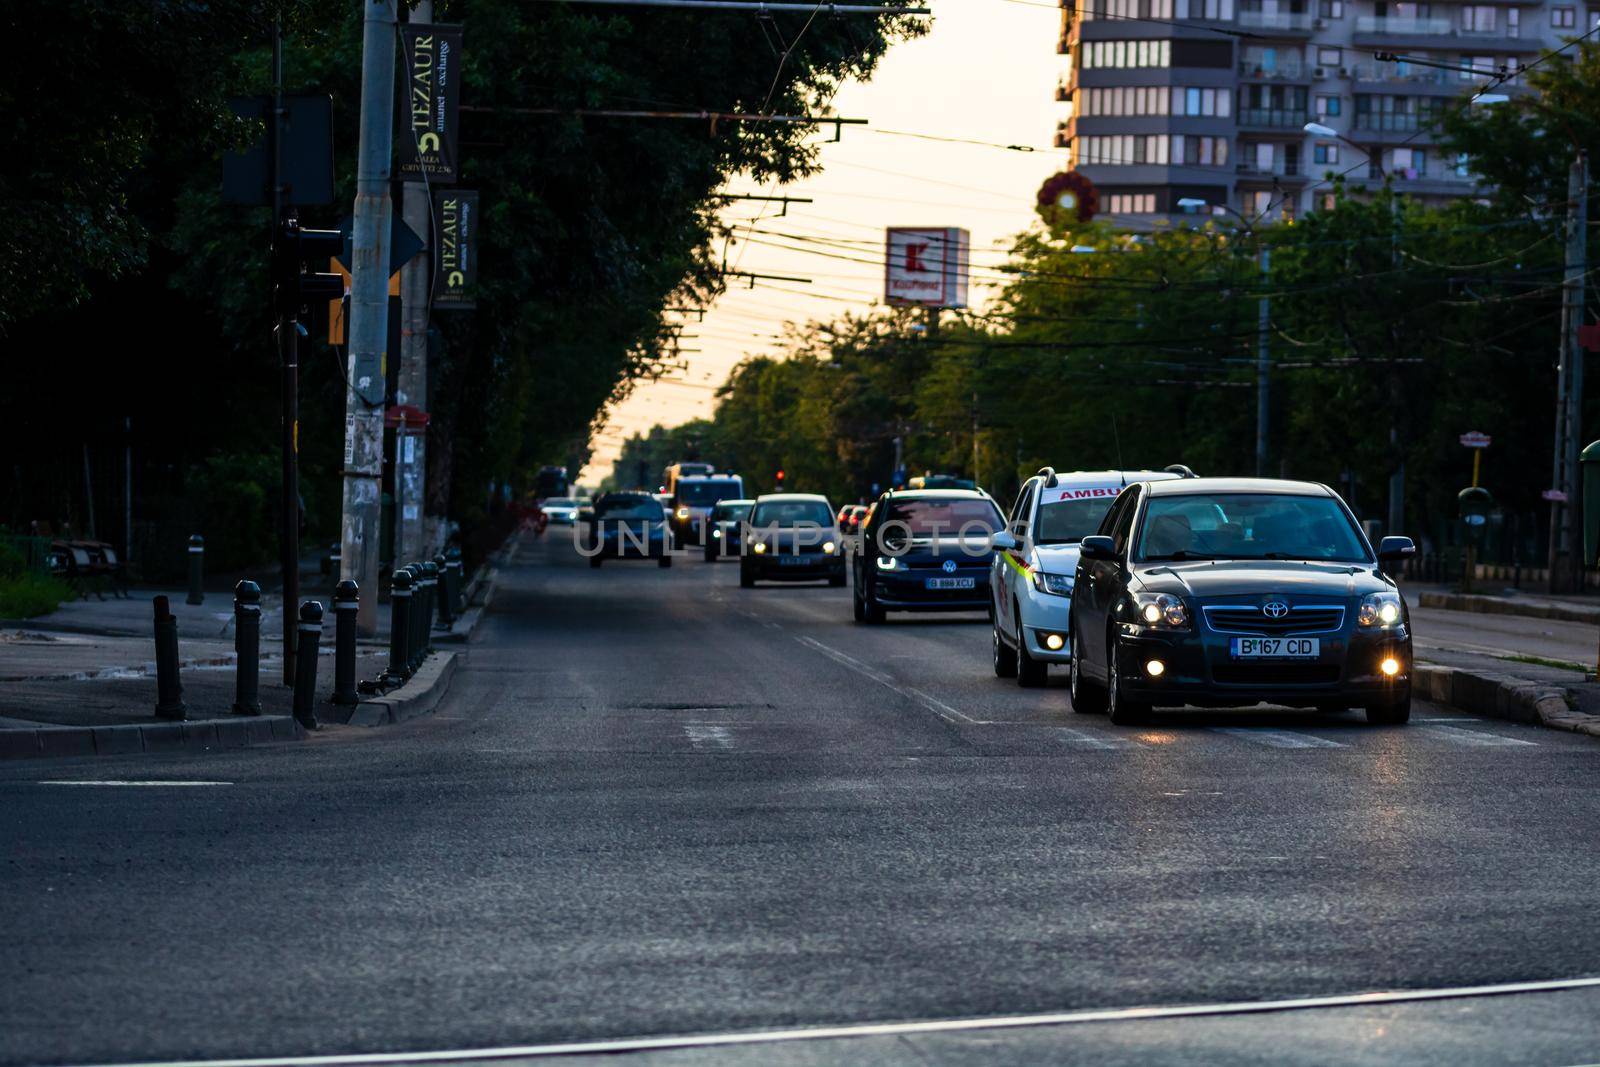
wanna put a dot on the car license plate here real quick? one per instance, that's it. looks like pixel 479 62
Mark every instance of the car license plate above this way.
pixel 1275 647
pixel 792 561
pixel 951 583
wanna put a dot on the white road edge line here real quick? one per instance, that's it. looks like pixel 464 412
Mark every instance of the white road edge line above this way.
pixel 936 1026
pixel 938 707
pixel 125 782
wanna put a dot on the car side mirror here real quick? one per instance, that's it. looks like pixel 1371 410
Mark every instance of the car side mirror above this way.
pixel 1098 546
pixel 1003 542
pixel 1394 548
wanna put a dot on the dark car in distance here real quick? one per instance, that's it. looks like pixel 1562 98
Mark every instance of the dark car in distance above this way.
pixel 791 537
pixel 925 550
pixel 1231 592
pixel 627 526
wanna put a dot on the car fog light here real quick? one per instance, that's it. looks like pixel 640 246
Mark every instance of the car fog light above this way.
pixel 1155 668
pixel 758 548
pixel 1053 642
pixel 1390 666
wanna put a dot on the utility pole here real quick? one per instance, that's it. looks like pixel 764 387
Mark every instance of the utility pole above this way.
pixel 410 448
pixel 1397 479
pixel 1566 523
pixel 369 314
pixel 1263 363
pixel 287 339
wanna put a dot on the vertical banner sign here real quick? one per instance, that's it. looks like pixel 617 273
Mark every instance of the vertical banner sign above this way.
pixel 430 100
pixel 455 248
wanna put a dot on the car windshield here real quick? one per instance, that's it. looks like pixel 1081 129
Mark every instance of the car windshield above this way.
pixel 628 507
pixel 558 502
pixel 730 512
pixel 948 516
pixel 1066 522
pixel 792 513
pixel 701 494
pixel 1249 526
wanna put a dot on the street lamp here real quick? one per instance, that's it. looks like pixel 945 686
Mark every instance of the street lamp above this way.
pixel 1317 129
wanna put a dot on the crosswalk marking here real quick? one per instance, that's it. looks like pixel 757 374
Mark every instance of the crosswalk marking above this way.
pixel 1277 738
pixel 707 738
pixel 1472 738
pixel 1085 739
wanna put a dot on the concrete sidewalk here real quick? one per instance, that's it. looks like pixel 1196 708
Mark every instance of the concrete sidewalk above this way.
pixel 1491 598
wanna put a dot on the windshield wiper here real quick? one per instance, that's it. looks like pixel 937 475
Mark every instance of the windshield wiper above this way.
pixel 1183 555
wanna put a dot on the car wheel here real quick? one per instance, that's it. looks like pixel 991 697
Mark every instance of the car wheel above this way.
pixel 1123 712
pixel 594 560
pixel 746 579
pixel 1390 712
pixel 836 580
pixel 1031 673
pixel 1087 699
pixel 665 560
pixel 1005 657
pixel 871 613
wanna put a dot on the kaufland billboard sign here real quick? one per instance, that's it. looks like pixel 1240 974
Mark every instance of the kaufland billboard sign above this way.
pixel 926 266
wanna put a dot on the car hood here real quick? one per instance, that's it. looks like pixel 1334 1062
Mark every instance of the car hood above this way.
pixel 973 549
pixel 1056 559
pixel 1207 579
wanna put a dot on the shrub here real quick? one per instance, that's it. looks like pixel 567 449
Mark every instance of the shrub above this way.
pixel 24 594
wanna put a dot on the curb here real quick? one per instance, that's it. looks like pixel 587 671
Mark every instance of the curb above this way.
pixel 190 735
pixel 1502 696
pixel 1499 605
pixel 461 631
pixel 419 696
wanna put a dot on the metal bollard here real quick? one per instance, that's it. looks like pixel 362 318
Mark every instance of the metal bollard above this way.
pixel 430 575
pixel 399 628
pixel 305 664
pixel 458 581
pixel 444 593
pixel 197 570
pixel 346 603
pixel 410 570
pixel 247 643
pixel 169 690
pixel 419 616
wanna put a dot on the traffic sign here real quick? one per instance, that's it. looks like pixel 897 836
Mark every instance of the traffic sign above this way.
pixel 1555 496
pixel 1474 439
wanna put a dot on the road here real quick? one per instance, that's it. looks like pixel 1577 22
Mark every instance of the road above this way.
pixel 656 804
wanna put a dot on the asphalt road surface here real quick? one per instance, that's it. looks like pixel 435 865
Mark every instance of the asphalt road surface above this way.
pixel 655 804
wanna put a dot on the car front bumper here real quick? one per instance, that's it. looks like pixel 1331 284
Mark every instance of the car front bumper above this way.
pixel 1044 614
pixel 1199 670
pixel 908 591
pixel 807 566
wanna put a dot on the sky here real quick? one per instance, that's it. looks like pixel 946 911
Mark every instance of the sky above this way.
pixel 986 72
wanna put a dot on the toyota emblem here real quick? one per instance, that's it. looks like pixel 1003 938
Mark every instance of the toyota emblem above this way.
pixel 1275 609
pixel 949 566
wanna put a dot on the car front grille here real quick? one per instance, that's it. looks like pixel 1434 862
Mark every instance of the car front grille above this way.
pixel 1275 673
pixel 1241 619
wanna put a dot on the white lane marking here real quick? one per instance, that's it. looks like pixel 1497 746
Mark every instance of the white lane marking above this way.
pixel 1084 739
pixel 124 781
pixel 938 707
pixel 1473 738
pixel 1277 738
pixel 932 1026
pixel 705 737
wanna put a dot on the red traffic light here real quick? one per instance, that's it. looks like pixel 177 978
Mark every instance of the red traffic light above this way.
pixel 780 476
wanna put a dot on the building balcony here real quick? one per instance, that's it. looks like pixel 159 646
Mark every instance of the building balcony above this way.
pixel 1398 27
pixel 1387 73
pixel 1273 118
pixel 1278 22
pixel 1393 122
pixel 1282 72
pixel 1251 170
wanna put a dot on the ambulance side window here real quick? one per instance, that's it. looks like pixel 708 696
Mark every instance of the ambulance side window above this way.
pixel 1019 514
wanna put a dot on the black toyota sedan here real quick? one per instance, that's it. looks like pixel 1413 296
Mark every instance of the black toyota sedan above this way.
pixel 925 550
pixel 1228 592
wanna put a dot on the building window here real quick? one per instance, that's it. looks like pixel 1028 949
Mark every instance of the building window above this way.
pixel 1132 203
pixel 1328 57
pixel 1329 107
pixel 1123 150
pixel 1325 153
pixel 1125 9
pixel 1485 64
pixel 1563 18
pixel 1330 9
pixel 1200 151
pixel 1513 22
pixel 1201 101
pixel 1096 54
pixel 1329 201
pixel 1463 169
pixel 1212 10
pixel 1477 18
pixel 1408 163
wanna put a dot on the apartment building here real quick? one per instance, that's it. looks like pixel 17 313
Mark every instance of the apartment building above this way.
pixel 1162 108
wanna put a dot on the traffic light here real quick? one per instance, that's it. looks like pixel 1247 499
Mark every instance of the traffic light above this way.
pixel 296 280
pixel 779 478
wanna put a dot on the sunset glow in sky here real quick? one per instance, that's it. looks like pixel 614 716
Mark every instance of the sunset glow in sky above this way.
pixel 985 72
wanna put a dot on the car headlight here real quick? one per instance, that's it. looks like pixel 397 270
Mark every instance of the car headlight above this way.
pixel 759 548
pixel 1160 610
pixel 716 533
pixel 829 547
pixel 890 563
pixel 683 513
pixel 1059 584
pixel 1380 611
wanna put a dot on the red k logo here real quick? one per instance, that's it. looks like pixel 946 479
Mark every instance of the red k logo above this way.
pixel 914 254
